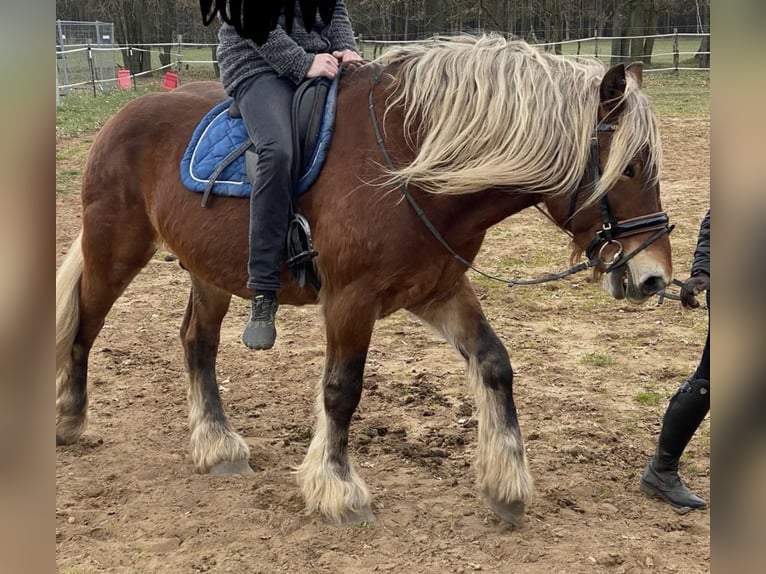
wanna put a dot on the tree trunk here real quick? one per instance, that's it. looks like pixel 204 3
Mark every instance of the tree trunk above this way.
pixel 165 55
pixel 406 30
pixel 556 33
pixel 703 52
pixel 214 57
pixel 617 30
pixel 651 28
pixel 434 11
pixel 636 28
pixel 524 21
pixel 133 26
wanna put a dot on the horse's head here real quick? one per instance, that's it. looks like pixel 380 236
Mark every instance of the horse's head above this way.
pixel 615 212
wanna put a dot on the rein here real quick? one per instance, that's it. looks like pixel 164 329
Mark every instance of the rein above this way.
pixel 610 231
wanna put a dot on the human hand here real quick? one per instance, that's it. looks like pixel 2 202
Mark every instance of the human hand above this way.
pixel 694 285
pixel 347 56
pixel 324 65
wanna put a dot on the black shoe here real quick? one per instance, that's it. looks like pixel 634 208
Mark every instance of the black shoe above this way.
pixel 667 485
pixel 260 332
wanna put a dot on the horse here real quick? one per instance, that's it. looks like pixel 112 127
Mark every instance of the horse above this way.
pixel 432 146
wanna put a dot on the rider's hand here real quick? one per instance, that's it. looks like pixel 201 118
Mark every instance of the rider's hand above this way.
pixel 694 285
pixel 347 56
pixel 324 65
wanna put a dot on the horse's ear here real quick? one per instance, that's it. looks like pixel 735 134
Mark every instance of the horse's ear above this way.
pixel 636 71
pixel 612 89
pixel 613 85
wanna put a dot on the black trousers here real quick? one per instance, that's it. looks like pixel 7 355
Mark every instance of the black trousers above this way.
pixel 703 369
pixel 686 410
pixel 265 103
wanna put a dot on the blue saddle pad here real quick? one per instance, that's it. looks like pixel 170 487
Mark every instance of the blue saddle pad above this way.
pixel 218 135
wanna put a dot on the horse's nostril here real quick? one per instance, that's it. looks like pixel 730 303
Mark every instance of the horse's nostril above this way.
pixel 652 285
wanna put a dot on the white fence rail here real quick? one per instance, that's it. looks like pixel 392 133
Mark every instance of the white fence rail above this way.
pixel 96 66
pixel 675 50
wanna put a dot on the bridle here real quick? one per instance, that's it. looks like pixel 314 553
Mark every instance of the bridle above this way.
pixel 611 229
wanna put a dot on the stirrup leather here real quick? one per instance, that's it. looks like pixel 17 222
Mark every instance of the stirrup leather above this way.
pixel 301 252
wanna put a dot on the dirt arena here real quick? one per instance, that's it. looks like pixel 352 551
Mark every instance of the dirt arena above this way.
pixel 593 377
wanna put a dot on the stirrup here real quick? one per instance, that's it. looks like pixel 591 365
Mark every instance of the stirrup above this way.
pixel 301 252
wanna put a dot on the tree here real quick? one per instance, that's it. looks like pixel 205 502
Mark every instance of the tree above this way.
pixel 703 52
pixel 435 17
pixel 643 22
pixel 620 45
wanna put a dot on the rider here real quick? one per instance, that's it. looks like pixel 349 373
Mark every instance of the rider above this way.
pixel 262 79
pixel 691 402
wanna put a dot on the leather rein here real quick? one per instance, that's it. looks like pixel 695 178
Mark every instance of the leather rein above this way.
pixel 609 233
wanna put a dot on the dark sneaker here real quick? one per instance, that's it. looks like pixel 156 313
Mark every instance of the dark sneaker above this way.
pixel 260 332
pixel 667 485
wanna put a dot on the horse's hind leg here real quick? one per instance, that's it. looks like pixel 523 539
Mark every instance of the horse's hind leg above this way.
pixel 329 483
pixel 215 446
pixel 101 262
pixel 503 476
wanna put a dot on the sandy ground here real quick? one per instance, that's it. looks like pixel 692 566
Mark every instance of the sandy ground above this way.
pixel 593 376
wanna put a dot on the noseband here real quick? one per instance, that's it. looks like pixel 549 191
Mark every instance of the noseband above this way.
pixel 612 229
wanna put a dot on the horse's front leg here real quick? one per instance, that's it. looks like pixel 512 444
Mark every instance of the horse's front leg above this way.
pixel 329 483
pixel 215 447
pixel 503 476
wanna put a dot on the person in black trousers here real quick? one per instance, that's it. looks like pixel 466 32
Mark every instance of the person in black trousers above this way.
pixel 691 402
pixel 262 79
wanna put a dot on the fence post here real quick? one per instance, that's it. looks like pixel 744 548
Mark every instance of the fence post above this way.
pixel 63 56
pixel 92 71
pixel 675 49
pixel 98 43
pixel 179 57
pixel 132 71
pixel 595 37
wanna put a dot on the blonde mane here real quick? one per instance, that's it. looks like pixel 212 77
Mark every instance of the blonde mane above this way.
pixel 491 112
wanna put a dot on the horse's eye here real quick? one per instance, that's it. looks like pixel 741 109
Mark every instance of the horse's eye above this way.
pixel 629 171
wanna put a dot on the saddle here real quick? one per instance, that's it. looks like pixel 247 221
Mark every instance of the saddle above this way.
pixel 308 110
pixel 221 160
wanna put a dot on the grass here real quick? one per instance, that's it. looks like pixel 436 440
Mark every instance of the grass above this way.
pixel 648 398
pixel 81 113
pixel 691 468
pixel 67 180
pixel 604 493
pixel 684 93
pixel 70 159
pixel 598 360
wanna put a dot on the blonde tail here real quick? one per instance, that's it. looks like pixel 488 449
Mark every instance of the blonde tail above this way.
pixel 69 425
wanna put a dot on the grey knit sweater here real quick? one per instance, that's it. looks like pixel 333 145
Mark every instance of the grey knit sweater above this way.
pixel 289 55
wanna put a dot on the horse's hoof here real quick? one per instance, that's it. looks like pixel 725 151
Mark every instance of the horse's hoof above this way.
pixel 355 518
pixel 510 512
pixel 228 467
pixel 61 441
pixel 69 429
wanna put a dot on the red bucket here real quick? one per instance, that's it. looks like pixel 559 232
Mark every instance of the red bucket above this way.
pixel 123 79
pixel 170 81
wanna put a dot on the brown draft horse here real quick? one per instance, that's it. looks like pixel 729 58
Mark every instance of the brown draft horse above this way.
pixel 479 129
